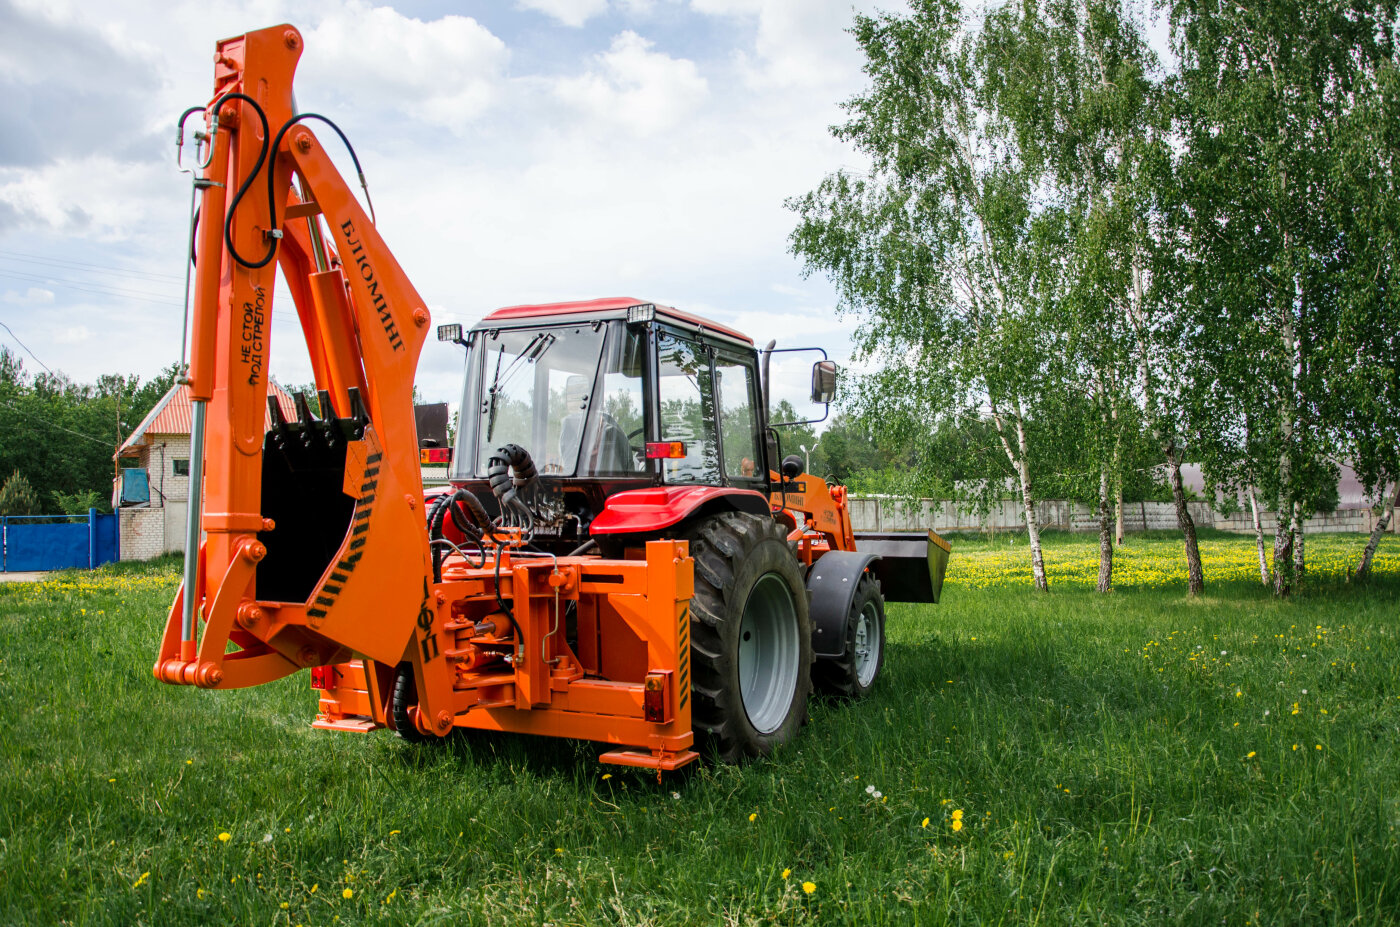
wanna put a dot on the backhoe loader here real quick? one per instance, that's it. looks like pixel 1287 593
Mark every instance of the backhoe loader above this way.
pixel 623 556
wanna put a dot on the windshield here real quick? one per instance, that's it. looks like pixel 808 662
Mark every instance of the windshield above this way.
pixel 534 391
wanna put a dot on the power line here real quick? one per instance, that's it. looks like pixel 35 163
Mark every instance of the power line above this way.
pixel 101 268
pixel 26 347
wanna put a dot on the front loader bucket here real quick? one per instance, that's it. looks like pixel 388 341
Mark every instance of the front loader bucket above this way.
pixel 911 565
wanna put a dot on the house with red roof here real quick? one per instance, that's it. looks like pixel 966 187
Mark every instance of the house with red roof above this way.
pixel 151 491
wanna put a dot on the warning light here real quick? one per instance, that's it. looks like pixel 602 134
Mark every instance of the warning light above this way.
pixel 435 455
pixel 665 450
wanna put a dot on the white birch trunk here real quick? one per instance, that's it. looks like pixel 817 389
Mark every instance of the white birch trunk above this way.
pixel 1363 569
pixel 1259 537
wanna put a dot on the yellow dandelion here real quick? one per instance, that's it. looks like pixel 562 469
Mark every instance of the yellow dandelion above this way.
pixel 753 817
pixel 559 851
pixel 924 823
pixel 111 780
pixel 957 815
pixel 141 881
pixel 395 833
pixel 1295 746
pixel 607 775
pixel 347 893
pixel 391 896
pixel 284 906
pixel 1238 693
pixel 314 886
pixel 809 887
pixel 199 893
pixel 1319 746
pixel 957 824
pixel 1249 755
pixel 786 873
pixel 225 837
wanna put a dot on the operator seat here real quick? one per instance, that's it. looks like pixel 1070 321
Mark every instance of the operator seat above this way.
pixel 608 450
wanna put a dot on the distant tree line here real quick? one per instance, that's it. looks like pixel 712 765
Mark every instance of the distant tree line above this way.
pixel 58 438
pixel 1074 264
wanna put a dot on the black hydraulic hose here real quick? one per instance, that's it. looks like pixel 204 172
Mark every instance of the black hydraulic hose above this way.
pixel 435 534
pixel 509 470
pixel 509 612
pixel 277 144
pixel 583 548
pixel 247 182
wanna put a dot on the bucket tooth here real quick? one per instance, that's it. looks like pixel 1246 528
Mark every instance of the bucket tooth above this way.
pixel 357 407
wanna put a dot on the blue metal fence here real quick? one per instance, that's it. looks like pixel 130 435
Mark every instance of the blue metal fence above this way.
pixel 54 542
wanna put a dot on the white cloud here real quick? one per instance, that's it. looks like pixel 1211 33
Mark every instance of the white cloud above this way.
pixel 797 43
pixel 33 296
pixel 446 72
pixel 569 12
pixel 72 334
pixel 634 87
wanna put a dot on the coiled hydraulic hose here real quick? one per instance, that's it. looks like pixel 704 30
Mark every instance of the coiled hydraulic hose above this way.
pixel 509 470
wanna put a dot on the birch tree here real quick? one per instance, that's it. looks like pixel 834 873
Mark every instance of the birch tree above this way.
pixel 934 248
pixel 1263 91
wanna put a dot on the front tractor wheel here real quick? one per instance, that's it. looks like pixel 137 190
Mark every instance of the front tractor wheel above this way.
pixel 853 675
pixel 751 636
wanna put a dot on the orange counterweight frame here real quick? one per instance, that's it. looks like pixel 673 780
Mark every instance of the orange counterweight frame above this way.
pixel 625 680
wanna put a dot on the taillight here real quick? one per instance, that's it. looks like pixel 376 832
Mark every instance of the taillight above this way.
pixel 665 450
pixel 654 698
pixel 322 677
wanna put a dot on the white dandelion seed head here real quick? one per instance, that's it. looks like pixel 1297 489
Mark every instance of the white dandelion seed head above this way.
pixel 676 796
pixel 870 790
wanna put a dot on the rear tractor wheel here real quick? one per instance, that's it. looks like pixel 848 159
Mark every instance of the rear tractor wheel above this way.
pixel 402 697
pixel 751 636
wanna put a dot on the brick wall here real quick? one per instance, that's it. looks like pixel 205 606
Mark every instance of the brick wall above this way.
pixel 142 532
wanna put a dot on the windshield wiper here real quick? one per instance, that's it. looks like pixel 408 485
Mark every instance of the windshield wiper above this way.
pixel 538 345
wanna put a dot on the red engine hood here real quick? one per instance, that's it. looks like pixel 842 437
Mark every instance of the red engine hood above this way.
pixel 642 510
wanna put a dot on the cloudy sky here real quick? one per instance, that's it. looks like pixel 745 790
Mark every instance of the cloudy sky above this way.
pixel 517 151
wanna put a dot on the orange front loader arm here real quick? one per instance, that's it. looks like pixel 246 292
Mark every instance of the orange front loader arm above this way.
pixel 307 585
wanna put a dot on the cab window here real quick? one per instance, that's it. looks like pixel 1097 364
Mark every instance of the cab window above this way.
pixel 686 398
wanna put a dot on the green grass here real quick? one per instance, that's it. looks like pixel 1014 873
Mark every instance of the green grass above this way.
pixel 1111 764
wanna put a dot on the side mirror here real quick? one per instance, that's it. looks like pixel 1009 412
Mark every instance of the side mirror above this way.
pixel 824 381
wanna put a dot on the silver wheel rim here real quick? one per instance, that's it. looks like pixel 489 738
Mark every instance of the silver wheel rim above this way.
pixel 867 644
pixel 769 653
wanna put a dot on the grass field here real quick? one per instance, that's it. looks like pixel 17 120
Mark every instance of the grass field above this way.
pixel 1055 759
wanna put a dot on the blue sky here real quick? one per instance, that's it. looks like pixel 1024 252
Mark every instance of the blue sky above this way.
pixel 516 151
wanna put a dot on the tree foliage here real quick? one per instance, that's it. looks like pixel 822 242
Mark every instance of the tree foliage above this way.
pixel 62 435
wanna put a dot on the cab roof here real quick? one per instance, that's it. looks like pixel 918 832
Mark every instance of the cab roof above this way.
pixel 607 307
